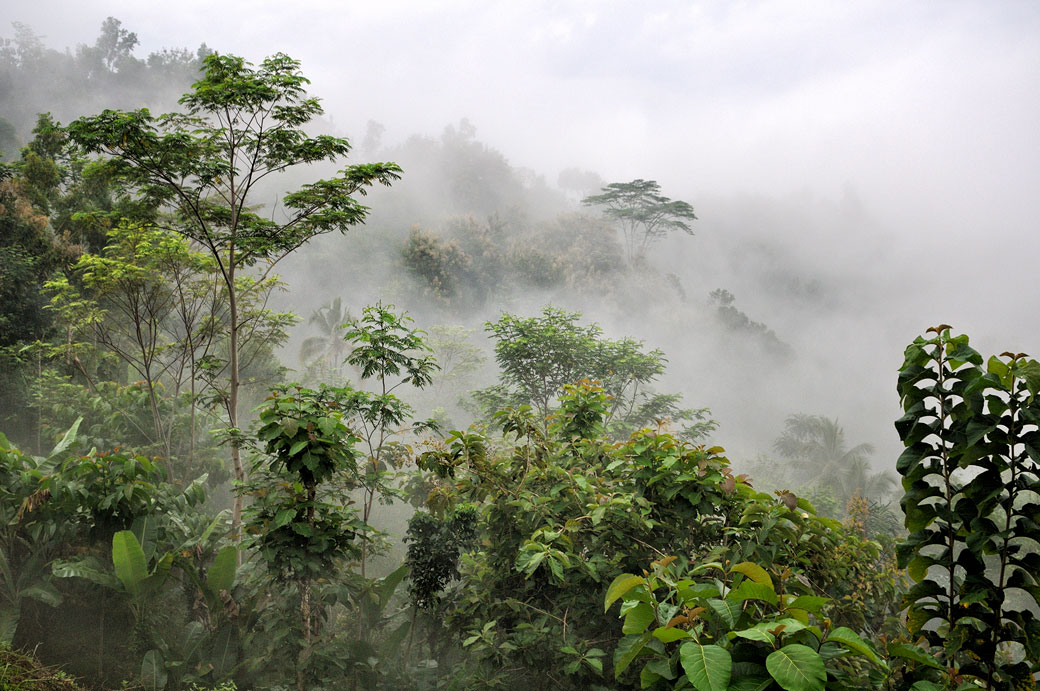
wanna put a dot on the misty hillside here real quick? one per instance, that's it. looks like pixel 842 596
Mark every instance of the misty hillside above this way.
pixel 461 347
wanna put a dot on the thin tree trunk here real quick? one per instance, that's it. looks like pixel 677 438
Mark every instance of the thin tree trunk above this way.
pixel 305 597
pixel 236 452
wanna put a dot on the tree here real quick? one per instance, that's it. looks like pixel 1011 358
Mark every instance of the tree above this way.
pixel 389 350
pixel 143 299
pixel 817 445
pixel 644 214
pixel 242 125
pixel 540 355
pixel 300 534
pixel 327 349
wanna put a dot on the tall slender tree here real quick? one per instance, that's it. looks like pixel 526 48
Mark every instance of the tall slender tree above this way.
pixel 242 124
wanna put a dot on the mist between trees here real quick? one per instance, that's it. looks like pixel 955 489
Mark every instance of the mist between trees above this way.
pixel 242 449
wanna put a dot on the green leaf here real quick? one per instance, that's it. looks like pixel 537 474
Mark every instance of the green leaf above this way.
pixel 926 686
pixel 9 618
pixel 913 653
pixel 667 634
pixel 638 618
pixel 727 610
pixel 1030 372
pixel 621 585
pixel 386 586
pixel 225 652
pixel 67 440
pixel 810 603
pixel 755 683
pixel 88 568
pixel 797 668
pixel 628 650
pixel 708 667
pixel 283 517
pixel 851 640
pixel 389 647
pixel 755 634
pixel 749 590
pixel 221 574
pixel 753 571
pixel 44 592
pixel 129 562
pixel 153 671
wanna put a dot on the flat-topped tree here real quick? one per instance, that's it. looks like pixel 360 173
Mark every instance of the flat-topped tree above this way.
pixel 242 123
pixel 645 215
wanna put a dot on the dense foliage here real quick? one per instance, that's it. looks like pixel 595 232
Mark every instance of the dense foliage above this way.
pixel 582 533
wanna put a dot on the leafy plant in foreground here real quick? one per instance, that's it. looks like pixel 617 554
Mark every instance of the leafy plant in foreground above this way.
pixel 736 628
pixel 971 473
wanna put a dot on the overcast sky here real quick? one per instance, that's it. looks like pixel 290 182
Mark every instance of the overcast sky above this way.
pixel 930 101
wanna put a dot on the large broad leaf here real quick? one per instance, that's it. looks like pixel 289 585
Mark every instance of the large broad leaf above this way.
pixel 810 603
pixel 925 686
pixel 218 521
pixel 221 574
pixel 68 440
pixel 88 568
pixel 754 572
pixel 9 617
pixel 728 611
pixel 131 567
pixel 389 647
pixel 749 590
pixel 628 650
pixel 42 591
pixel 192 638
pixel 224 654
pixel 708 667
pixel 851 640
pixel 621 585
pixel 670 634
pixel 638 618
pixel 755 634
pixel 755 683
pixel 153 671
pixel 913 653
pixel 388 584
pixel 146 529
pixel 797 668
pixel 155 581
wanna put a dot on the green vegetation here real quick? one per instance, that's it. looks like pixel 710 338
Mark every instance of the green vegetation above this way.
pixel 20 672
pixel 175 514
pixel 200 167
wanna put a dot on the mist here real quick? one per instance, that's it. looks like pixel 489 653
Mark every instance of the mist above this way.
pixel 860 172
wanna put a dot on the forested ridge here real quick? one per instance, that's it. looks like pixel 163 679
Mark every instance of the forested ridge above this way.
pixel 281 408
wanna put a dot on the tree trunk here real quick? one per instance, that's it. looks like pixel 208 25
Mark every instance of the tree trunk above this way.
pixel 232 406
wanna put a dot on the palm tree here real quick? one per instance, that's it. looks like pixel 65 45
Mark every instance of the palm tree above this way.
pixel 326 351
pixel 816 446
